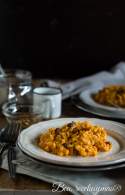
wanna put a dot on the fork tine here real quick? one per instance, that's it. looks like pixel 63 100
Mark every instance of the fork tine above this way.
pixel 11 131
pixel 6 133
pixel 16 133
pixel 14 130
pixel 19 128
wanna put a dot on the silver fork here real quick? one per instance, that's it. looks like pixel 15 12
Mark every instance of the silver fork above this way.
pixel 9 137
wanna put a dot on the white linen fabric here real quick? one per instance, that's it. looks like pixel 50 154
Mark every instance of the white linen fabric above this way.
pixel 78 183
pixel 76 86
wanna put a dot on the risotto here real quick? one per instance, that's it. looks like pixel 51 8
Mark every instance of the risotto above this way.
pixel 75 138
pixel 111 96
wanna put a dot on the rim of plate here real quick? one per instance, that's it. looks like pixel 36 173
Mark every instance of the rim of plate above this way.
pixel 71 168
pixel 76 101
pixel 26 144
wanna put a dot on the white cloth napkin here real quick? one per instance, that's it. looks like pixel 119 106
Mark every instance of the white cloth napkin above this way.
pixel 78 183
pixel 75 87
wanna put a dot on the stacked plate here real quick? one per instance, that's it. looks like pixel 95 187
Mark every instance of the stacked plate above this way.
pixel 84 101
pixel 113 159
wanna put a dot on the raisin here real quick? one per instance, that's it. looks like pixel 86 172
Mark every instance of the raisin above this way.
pixel 75 130
pixel 70 124
pixel 57 130
pixel 120 91
pixel 65 145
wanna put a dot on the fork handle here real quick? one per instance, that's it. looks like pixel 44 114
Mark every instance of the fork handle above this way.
pixel 11 157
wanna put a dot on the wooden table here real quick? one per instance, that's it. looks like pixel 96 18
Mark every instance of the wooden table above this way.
pixel 30 184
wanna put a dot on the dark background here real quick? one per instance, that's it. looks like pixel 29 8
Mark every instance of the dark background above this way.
pixel 62 38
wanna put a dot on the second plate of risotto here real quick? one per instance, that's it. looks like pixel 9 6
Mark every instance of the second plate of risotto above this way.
pixel 78 142
pixel 109 97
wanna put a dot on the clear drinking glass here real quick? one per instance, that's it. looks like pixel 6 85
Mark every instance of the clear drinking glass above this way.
pixel 25 114
pixel 19 84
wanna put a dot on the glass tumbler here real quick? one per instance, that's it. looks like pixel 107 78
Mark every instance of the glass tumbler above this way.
pixel 19 84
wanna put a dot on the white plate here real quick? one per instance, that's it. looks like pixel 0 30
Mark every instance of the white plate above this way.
pixel 96 111
pixel 86 97
pixel 115 155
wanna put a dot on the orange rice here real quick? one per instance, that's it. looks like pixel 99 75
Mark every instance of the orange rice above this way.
pixel 113 95
pixel 75 138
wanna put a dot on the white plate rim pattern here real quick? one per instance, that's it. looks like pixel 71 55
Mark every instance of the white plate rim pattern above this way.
pixel 66 168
